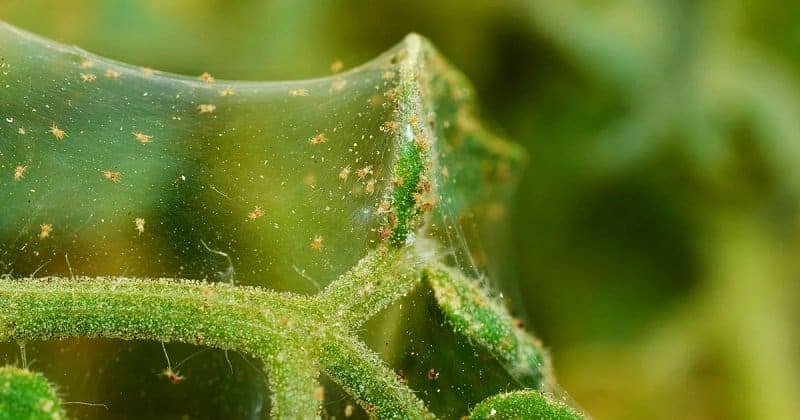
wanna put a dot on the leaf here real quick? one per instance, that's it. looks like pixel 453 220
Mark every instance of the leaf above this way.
pixel 27 395
pixel 531 405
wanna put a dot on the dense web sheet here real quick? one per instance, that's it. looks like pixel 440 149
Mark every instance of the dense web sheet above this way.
pixel 113 170
pixel 159 175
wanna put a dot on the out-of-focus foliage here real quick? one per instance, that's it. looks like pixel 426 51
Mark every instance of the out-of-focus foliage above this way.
pixel 28 395
pixel 529 405
pixel 655 241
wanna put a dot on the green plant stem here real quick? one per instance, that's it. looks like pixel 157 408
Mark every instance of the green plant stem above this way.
pixel 291 334
pixel 213 315
pixel 375 283
pixel 486 322
pixel 370 382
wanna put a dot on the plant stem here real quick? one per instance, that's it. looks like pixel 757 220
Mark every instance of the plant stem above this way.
pixel 212 315
pixel 376 387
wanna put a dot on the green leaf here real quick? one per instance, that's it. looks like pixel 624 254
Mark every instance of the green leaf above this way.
pixel 27 395
pixel 530 405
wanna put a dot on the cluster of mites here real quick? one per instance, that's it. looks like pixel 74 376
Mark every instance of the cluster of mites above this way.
pixel 336 86
pixel 422 197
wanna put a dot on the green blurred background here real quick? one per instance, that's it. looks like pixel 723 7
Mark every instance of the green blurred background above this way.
pixel 657 227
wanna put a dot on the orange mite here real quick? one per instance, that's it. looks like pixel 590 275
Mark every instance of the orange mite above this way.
pixel 45 230
pixel 337 66
pixel 112 176
pixel 57 132
pixel 255 214
pixel 19 172
pixel 143 138
pixel 318 139
pixel 139 223
pixel 369 187
pixel 367 170
pixel 390 126
pixel 206 108
pixel 112 74
pixel 385 232
pixel 338 85
pixel 206 77
pixel 172 376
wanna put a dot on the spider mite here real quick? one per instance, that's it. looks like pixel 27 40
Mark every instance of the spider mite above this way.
pixel 375 100
pixel 88 77
pixel 427 205
pixel 385 232
pixel 57 132
pixel 19 172
pixel 139 223
pixel 112 176
pixel 227 92
pixel 338 85
pixel 316 244
pixel 142 137
pixel 310 180
pixel 363 172
pixel 44 230
pixel 345 173
pixel 173 376
pixel 390 126
pixel 424 204
pixel 255 214
pixel 422 143
pixel 337 66
pixel 318 139
pixel 206 77
pixel 391 94
pixel 424 184
pixel 369 187
pixel 433 374
pixel 112 74
pixel 206 108
pixel 298 92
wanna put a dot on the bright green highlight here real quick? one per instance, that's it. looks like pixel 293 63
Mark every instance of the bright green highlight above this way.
pixel 27 395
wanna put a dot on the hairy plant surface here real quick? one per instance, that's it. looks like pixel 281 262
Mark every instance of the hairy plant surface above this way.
pixel 27 395
pixel 331 227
